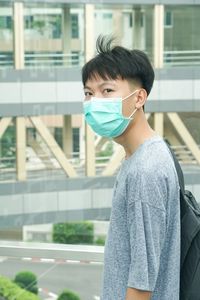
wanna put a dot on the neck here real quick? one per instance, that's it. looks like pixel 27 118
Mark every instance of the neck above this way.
pixel 136 134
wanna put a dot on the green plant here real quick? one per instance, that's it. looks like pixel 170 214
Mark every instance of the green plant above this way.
pixel 100 241
pixel 68 295
pixel 73 233
pixel 27 280
pixel 11 291
pixel 39 25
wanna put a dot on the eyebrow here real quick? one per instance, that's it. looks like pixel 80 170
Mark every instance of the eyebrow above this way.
pixel 102 84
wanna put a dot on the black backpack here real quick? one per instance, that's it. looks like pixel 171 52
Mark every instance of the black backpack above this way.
pixel 190 240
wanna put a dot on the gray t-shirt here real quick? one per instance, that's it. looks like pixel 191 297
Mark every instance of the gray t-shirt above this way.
pixel 142 249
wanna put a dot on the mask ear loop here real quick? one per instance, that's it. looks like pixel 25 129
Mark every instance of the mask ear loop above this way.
pixel 130 95
pixel 131 115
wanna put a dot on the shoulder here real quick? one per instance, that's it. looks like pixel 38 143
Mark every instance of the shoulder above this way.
pixel 152 172
pixel 152 158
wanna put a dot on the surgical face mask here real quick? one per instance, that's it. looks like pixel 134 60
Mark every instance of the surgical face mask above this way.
pixel 105 116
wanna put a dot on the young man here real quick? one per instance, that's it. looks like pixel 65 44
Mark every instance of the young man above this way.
pixel 142 252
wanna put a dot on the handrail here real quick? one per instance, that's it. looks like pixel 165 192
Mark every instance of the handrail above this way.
pixel 55 59
pixel 38 162
pixel 170 57
pixel 181 51
pixel 183 57
pixel 86 253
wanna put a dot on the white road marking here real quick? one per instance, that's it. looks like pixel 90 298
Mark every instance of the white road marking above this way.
pixel 56 261
pixel 73 261
pixel 50 295
pixel 26 258
pixel 96 297
pixel 47 260
pixel 53 295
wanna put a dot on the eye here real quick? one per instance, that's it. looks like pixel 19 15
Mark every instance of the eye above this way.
pixel 87 93
pixel 107 91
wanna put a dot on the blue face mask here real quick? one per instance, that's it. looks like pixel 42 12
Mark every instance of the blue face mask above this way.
pixel 105 116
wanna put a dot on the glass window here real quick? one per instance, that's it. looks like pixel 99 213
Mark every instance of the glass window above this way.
pixel 168 19
pixel 6 36
pixel 181 45
pixel 6 22
pixel 52 34
pixel 74 26
pixel 107 16
pixel 131 25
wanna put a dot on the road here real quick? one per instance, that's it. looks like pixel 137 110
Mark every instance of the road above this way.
pixel 82 278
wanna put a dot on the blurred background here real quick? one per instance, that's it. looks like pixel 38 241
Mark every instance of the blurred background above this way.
pixel 56 175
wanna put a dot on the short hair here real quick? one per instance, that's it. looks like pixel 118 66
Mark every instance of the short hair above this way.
pixel 112 62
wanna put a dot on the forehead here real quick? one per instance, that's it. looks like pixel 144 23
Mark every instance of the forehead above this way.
pixel 98 82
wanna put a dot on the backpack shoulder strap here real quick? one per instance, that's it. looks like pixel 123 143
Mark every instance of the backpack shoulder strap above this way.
pixel 178 170
pixel 180 179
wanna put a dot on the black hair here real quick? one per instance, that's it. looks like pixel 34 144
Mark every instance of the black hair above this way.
pixel 112 62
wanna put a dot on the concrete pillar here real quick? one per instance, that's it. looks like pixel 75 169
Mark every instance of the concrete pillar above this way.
pixel 159 123
pixel 158 57
pixel 89 53
pixel 82 140
pixel 114 162
pixel 20 148
pixel 4 123
pixel 66 35
pixel 53 146
pixel 67 135
pixel 137 32
pixel 89 32
pixel 18 40
pixel 158 35
pixel 118 23
pixel 185 135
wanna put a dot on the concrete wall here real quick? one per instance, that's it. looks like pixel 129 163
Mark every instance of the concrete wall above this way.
pixel 89 201
pixel 61 92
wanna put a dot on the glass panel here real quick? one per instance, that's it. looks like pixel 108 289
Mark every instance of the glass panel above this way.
pixel 41 211
pixel 132 25
pixel 181 45
pixel 6 36
pixel 54 35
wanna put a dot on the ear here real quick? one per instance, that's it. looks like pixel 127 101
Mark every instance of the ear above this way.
pixel 141 98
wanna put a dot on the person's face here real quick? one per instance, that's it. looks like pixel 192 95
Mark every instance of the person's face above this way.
pixel 109 88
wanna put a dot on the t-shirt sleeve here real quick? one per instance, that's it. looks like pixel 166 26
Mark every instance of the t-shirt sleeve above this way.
pixel 147 225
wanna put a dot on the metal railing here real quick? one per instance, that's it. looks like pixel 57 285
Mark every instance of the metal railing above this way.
pixel 6 61
pixel 181 58
pixel 40 60
pixel 44 164
pixel 45 60
pixel 56 60
pixel 52 251
pixel 184 155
